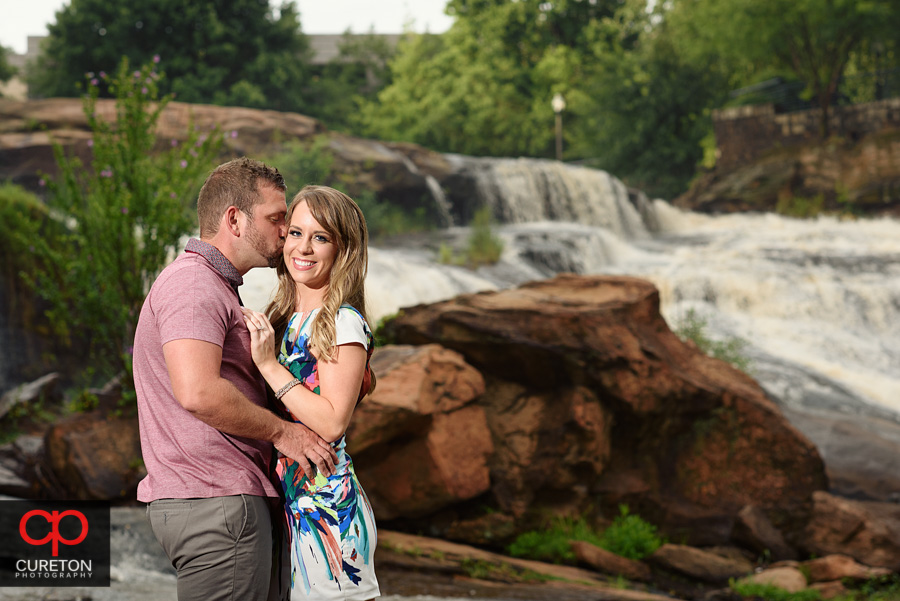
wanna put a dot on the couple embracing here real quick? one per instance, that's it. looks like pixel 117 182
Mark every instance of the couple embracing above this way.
pixel 234 404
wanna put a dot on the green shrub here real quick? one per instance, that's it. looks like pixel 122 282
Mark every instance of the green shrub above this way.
pixel 731 350
pixel 124 216
pixel 386 219
pixel 552 543
pixel 484 248
pixel 770 592
pixel 380 333
pixel 303 163
pixel 630 536
pixel 800 206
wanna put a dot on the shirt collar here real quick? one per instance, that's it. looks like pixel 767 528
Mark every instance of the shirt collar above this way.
pixel 216 259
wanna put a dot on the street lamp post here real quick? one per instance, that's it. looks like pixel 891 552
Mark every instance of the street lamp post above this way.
pixel 559 105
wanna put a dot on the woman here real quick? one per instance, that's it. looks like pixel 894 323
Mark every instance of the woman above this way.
pixel 320 373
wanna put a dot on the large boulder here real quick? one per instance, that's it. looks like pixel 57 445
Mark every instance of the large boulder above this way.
pixel 419 443
pixel 28 128
pixel 95 457
pixel 591 397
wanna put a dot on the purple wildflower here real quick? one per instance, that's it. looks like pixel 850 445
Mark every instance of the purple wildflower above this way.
pixel 234 133
pixel 124 210
pixel 102 74
pixel 94 81
pixel 183 163
pixel 42 182
pixel 90 143
pixel 172 195
pixel 144 90
pixel 174 142
pixel 106 173
pixel 156 58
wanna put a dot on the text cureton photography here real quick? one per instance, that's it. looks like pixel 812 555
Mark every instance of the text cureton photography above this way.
pixel 58 543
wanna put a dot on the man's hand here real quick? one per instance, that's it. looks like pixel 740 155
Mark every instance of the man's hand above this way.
pixel 306 447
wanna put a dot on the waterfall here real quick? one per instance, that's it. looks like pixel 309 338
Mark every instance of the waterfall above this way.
pixel 532 190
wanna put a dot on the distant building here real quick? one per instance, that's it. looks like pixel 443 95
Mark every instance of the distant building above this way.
pixel 16 87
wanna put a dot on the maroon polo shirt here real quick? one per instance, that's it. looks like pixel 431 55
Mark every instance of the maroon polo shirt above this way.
pixel 196 298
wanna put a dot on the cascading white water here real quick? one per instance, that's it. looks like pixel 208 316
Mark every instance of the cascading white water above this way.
pixel 527 190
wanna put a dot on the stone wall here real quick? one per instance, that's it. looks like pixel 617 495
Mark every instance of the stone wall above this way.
pixel 744 133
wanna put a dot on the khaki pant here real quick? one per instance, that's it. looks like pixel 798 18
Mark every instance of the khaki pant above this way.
pixel 221 548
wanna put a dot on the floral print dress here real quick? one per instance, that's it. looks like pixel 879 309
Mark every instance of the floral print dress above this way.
pixel 330 522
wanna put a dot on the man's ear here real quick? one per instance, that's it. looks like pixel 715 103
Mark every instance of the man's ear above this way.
pixel 232 221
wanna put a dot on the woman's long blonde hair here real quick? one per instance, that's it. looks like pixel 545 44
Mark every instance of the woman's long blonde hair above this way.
pixel 345 223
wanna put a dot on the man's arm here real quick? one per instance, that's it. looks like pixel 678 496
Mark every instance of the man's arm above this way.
pixel 194 369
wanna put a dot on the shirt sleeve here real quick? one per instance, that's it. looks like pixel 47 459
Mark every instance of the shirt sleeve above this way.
pixel 350 327
pixel 188 306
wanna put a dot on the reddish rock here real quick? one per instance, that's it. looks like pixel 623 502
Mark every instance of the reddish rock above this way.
pixel 95 458
pixel 869 532
pixel 830 590
pixel 589 393
pixel 755 530
pixel 609 563
pixel 418 443
pixel 414 383
pixel 24 150
pixel 838 567
pixel 789 579
pixel 446 465
pixel 700 564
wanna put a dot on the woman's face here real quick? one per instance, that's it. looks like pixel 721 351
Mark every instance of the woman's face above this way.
pixel 309 250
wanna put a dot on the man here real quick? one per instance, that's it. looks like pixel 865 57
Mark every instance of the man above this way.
pixel 206 435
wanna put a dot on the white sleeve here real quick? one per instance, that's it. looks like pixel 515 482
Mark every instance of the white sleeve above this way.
pixel 349 327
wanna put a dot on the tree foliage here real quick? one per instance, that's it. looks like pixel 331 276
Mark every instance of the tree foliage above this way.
pixel 123 216
pixel 6 70
pixel 815 40
pixel 238 52
pixel 484 87
pixel 334 92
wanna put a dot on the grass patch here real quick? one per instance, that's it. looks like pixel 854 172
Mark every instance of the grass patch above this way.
pixel 883 588
pixel 628 536
pixel 731 350
pixel 770 592
pixel 503 572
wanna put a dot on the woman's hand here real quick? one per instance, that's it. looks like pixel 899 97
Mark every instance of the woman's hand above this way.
pixel 262 337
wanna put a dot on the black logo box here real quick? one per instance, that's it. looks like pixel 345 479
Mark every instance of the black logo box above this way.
pixel 29 560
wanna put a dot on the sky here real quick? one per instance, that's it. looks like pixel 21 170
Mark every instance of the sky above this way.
pixel 19 19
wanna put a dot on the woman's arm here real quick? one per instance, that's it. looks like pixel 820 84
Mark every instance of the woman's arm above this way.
pixel 327 413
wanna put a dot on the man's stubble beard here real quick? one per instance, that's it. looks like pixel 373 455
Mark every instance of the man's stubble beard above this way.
pixel 258 242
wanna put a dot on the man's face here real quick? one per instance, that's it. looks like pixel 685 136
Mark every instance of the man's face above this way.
pixel 266 230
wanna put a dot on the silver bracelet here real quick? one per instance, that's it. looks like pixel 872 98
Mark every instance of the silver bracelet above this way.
pixel 283 390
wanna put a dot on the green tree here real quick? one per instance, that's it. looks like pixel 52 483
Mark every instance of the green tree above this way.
pixel 239 52
pixel 484 87
pixel 335 91
pixel 646 106
pixel 124 216
pixel 6 70
pixel 813 39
